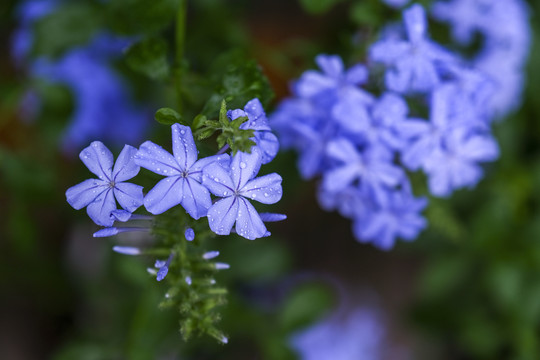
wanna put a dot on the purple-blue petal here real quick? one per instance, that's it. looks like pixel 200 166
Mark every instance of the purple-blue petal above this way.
pixel 156 159
pixel 244 167
pixel 125 167
pixel 98 159
pixel 86 192
pixel 100 209
pixel 129 196
pixel 222 215
pixel 196 198
pixel 248 222
pixel 166 194
pixel 184 149
pixel 218 180
pixel 265 189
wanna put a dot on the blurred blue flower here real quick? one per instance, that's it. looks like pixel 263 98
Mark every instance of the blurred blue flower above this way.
pixel 412 64
pixel 98 195
pixel 236 185
pixel 504 49
pixel 182 184
pixel 103 106
pixel 353 335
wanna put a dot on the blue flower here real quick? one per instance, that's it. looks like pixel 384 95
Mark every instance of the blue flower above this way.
pixel 412 63
pixel 455 164
pixel 372 168
pixel 182 184
pixel 98 195
pixel 353 335
pixel 265 140
pixel 397 215
pixel 236 185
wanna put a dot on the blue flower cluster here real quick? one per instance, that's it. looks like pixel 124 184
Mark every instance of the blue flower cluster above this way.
pixel 362 144
pixel 505 48
pixel 188 181
pixel 103 106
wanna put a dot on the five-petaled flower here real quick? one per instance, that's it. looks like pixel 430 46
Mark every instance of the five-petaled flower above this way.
pixel 183 172
pixel 236 185
pixel 98 195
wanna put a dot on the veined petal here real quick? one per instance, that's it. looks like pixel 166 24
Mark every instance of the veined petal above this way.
pixel 84 193
pixel 184 149
pixel 218 180
pixel 222 215
pixel 265 189
pixel 196 198
pixel 244 167
pixel 125 167
pixel 98 159
pixel 196 171
pixel 248 221
pixel 156 159
pixel 129 196
pixel 166 194
pixel 100 209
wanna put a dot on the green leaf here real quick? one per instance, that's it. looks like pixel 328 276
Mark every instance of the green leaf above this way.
pixel 140 16
pixel 70 25
pixel 236 79
pixel 198 121
pixel 149 57
pixel 223 119
pixel 318 6
pixel 168 116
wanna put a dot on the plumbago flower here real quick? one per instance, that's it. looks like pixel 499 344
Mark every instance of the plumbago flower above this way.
pixel 236 185
pixel 182 184
pixel 361 145
pixel 98 195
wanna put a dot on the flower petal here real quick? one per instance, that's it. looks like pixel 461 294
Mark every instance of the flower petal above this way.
pixel 100 210
pixel 244 167
pixel 218 180
pixel 84 193
pixel 339 178
pixel 248 221
pixel 156 159
pixel 98 159
pixel 265 189
pixel 129 196
pixel 166 194
pixel 222 215
pixel 196 171
pixel 125 167
pixel 196 198
pixel 268 145
pixel 184 149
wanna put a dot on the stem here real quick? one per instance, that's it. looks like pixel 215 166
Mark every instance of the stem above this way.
pixel 179 56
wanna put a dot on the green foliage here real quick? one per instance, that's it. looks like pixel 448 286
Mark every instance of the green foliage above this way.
pixel 236 79
pixel 71 25
pixel 149 57
pixel 305 303
pixel 139 16
pixel 318 6
pixel 168 116
pixel 231 135
pixel 197 302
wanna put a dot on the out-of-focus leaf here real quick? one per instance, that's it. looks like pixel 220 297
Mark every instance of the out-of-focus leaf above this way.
pixel 141 16
pixel 149 57
pixel 318 6
pixel 305 304
pixel 71 25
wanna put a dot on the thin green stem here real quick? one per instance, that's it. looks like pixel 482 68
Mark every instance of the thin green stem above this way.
pixel 180 35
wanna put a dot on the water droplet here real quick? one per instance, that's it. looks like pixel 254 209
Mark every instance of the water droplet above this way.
pixel 182 132
pixel 242 165
pixel 266 194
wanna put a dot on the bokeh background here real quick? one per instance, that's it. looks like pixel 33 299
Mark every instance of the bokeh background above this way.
pixel 467 288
